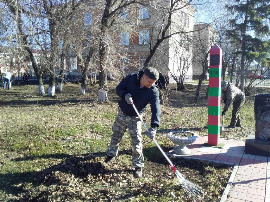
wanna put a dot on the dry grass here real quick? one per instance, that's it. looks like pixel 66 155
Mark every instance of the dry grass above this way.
pixel 52 149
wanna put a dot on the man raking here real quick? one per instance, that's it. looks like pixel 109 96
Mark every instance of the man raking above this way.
pixel 139 89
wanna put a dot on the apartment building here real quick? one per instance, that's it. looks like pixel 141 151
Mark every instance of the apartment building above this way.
pixel 138 30
pixel 174 54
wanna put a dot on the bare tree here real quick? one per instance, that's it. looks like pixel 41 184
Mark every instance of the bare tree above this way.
pixel 21 35
pixel 111 12
pixel 39 25
pixel 83 39
pixel 171 38
pixel 56 13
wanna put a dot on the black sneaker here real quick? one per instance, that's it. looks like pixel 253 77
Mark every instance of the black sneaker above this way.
pixel 108 159
pixel 231 126
pixel 138 172
pixel 238 124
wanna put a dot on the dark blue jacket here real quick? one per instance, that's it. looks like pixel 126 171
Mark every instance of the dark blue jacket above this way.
pixel 141 97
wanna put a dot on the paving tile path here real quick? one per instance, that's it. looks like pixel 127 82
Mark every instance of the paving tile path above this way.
pixel 250 179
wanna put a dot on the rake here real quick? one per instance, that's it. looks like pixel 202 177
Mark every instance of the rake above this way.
pixel 188 186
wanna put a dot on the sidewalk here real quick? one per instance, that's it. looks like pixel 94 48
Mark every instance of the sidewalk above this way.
pixel 250 179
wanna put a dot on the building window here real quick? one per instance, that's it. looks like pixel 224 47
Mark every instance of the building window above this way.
pixel 31 40
pixel 187 21
pixel 87 19
pixel 144 37
pixel 144 12
pixel 124 62
pixel 124 38
pixel 73 18
pixel 187 43
pixel 124 15
pixel 73 63
pixel 142 61
pixel 182 19
pixel 181 40
pixel 60 43
pixel 88 40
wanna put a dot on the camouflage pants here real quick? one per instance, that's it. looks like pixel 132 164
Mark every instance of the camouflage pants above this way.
pixel 236 111
pixel 134 125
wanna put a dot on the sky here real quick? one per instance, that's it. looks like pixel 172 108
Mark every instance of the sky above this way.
pixel 209 11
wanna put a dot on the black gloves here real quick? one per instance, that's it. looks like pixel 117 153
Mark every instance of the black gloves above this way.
pixel 128 98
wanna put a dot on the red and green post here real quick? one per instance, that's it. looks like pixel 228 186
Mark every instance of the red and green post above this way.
pixel 214 95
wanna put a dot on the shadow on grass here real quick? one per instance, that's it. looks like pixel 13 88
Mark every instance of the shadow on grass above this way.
pixel 79 166
pixel 21 103
pixel 180 129
pixel 48 156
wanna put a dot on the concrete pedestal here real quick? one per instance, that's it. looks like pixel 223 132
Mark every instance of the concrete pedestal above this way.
pixel 257 147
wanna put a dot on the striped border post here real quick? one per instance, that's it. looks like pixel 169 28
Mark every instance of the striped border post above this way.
pixel 214 94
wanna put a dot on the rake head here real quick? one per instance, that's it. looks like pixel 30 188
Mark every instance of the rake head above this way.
pixel 189 187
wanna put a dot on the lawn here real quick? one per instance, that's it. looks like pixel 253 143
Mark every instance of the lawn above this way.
pixel 53 149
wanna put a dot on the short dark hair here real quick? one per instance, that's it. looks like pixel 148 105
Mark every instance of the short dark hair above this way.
pixel 224 84
pixel 152 73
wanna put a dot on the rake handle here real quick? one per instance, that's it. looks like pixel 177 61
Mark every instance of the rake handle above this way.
pixel 161 150
pixel 188 186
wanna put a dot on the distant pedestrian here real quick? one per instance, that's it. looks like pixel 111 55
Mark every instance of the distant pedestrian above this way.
pixel 7 78
pixel 232 95
pixel 25 78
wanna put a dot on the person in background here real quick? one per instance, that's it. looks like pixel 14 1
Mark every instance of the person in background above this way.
pixel 139 89
pixel 232 95
pixel 1 76
pixel 7 78
pixel 25 78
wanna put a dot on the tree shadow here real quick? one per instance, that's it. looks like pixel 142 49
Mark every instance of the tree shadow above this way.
pixel 166 131
pixel 79 166
pixel 49 102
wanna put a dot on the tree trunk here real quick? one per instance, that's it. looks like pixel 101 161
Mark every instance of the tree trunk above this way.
pixel 233 69
pixel 51 89
pixel 41 90
pixel 31 55
pixel 59 86
pixel 180 86
pixel 83 84
pixel 202 77
pixel 60 78
pixel 102 95
pixel 243 50
pixel 198 89
pixel 59 83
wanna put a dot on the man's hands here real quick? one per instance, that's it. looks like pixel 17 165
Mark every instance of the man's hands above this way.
pixel 128 98
pixel 151 133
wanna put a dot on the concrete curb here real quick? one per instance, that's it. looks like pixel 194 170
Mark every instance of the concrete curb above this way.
pixel 229 184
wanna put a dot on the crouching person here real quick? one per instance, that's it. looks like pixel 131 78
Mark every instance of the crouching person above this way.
pixel 232 95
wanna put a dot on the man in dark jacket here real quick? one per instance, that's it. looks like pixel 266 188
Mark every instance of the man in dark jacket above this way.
pixel 232 95
pixel 140 89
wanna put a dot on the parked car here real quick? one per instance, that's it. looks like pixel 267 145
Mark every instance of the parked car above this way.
pixel 256 76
